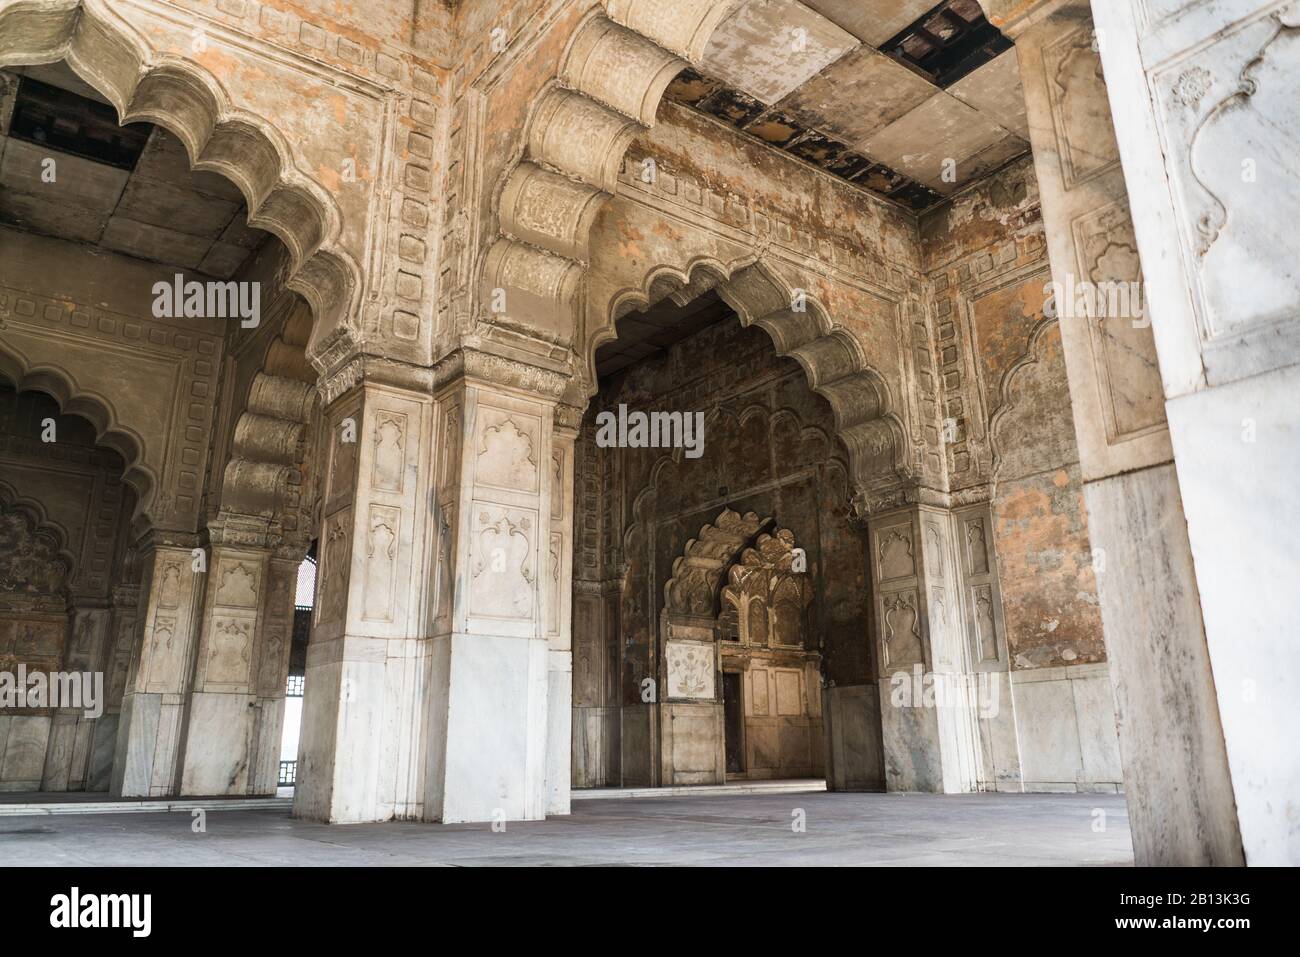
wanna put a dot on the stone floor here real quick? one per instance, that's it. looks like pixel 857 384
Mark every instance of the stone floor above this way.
pixel 731 829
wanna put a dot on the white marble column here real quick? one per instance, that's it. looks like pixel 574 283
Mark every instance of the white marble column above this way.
pixel 235 705
pixel 928 716
pixel 1206 101
pixel 558 609
pixel 500 574
pixel 146 761
pixel 361 754
pixel 1180 797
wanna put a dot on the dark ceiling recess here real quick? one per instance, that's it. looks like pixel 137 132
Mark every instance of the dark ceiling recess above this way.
pixel 51 117
pixel 947 43
pixel 777 129
pixel 649 332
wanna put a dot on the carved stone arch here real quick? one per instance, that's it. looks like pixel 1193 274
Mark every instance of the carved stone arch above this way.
pixel 763 576
pixel 833 360
pixel 184 98
pixel 692 591
pixel 42 556
pixel 612 74
pixel 143 465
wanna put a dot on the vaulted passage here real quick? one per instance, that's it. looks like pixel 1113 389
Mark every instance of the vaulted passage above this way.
pixel 717 585
pixel 156 401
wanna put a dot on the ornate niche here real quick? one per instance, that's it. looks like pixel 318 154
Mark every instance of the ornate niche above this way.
pixel 691 603
pixel 770 598
pixel 33 590
pixel 33 575
pixel 766 606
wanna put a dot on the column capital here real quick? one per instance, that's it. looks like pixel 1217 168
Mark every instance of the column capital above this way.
pixel 540 377
pixel 354 369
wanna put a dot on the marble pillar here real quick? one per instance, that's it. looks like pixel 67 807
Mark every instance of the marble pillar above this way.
pixel 235 703
pixel 927 695
pixel 499 577
pixel 150 732
pixel 360 754
pixel 558 603
pixel 1206 101
pixel 1180 796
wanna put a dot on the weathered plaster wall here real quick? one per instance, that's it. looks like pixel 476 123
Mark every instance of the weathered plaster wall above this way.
pixel 1008 413
pixel 1009 405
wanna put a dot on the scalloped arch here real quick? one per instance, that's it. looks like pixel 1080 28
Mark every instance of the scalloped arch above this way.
pixel 832 359
pixel 611 76
pixel 184 98
pixel 94 408
pixel 40 521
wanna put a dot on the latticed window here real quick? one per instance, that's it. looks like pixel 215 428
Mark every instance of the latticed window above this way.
pixel 306 584
pixel 293 689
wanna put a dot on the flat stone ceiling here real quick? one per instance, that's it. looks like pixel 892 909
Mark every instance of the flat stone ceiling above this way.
pixel 159 210
pixel 876 92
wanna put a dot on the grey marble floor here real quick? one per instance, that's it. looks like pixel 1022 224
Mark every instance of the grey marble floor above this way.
pixel 731 829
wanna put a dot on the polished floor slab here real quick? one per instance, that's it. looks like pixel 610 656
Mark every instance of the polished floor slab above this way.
pixel 725 829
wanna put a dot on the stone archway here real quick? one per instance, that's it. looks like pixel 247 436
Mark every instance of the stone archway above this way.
pixel 233 641
pixel 766 640
pixel 692 748
pixel 800 327
pixel 144 458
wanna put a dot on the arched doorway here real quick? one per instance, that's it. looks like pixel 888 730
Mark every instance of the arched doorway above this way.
pixel 700 653
pixel 68 589
pixel 139 291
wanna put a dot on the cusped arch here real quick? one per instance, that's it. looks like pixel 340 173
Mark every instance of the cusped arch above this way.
pixel 42 529
pixel 693 587
pixel 831 357
pixel 139 473
pixel 764 578
pixel 184 98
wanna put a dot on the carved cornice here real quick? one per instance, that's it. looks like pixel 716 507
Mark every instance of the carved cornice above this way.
pixel 375 370
pixel 867 501
pixel 499 370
